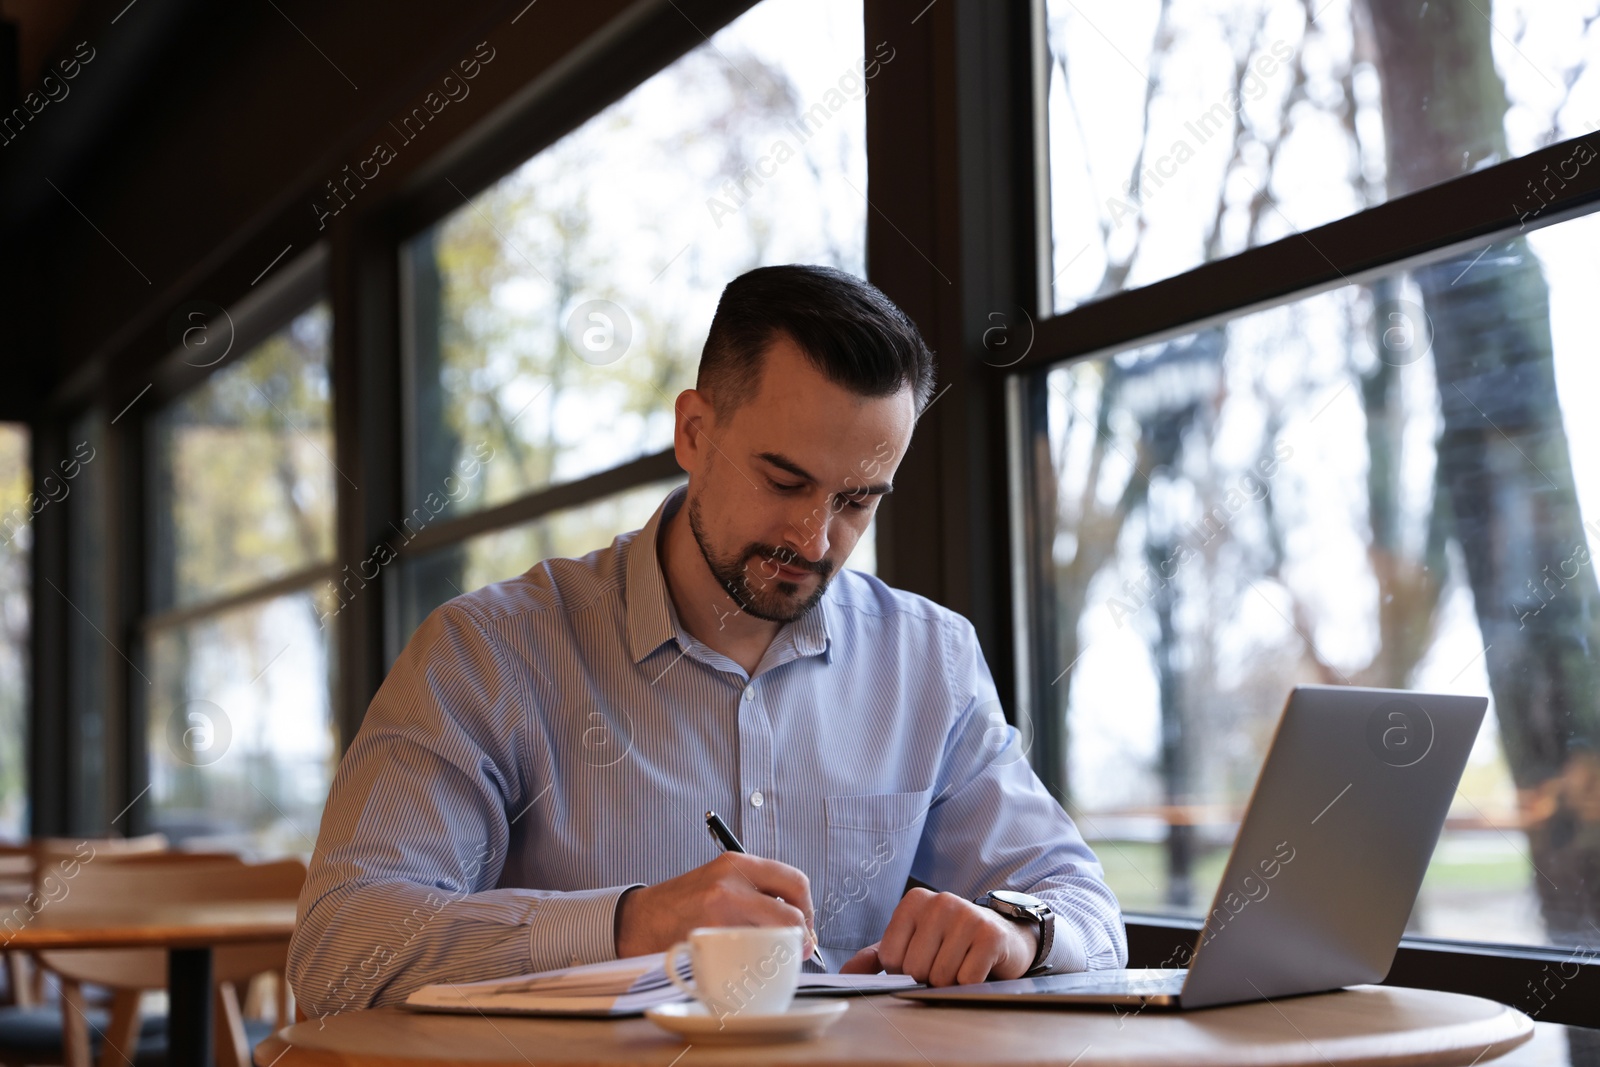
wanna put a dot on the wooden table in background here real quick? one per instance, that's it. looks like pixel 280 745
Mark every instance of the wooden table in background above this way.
pixel 1369 1025
pixel 188 933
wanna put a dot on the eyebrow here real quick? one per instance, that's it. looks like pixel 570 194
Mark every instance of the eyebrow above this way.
pixel 784 463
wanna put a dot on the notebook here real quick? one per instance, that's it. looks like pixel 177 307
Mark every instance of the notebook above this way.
pixel 615 987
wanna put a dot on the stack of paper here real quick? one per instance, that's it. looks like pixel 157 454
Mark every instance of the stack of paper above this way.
pixel 616 987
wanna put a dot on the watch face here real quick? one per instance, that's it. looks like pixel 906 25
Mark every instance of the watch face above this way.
pixel 1018 905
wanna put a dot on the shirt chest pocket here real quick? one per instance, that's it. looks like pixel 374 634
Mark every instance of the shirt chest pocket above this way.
pixel 872 839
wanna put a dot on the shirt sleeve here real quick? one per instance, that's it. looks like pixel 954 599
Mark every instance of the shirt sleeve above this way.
pixel 401 890
pixel 993 825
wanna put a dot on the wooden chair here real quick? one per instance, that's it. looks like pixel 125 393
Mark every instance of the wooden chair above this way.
pixel 16 884
pixel 129 973
pixel 26 866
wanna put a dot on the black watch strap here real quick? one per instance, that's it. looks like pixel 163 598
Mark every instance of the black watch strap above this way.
pixel 1047 938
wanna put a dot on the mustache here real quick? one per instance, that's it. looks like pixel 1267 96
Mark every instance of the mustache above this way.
pixel 787 557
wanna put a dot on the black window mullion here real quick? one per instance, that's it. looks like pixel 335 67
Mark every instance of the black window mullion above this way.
pixel 368 447
pixel 49 786
pixel 1461 213
pixel 950 167
pixel 429 537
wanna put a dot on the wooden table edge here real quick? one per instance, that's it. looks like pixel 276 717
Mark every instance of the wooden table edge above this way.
pixel 221 934
pixel 274 1050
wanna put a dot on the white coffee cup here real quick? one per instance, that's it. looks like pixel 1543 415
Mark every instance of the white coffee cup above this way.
pixel 740 969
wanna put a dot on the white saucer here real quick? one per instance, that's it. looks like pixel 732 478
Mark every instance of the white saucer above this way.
pixel 691 1021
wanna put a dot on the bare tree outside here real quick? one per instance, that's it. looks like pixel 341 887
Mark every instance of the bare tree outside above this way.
pixel 755 152
pixel 1364 486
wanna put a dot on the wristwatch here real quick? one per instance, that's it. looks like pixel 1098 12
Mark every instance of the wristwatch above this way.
pixel 1023 908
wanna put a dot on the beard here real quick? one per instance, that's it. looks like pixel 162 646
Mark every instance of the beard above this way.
pixel 740 575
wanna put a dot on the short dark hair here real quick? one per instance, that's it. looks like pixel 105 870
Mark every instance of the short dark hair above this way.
pixel 846 327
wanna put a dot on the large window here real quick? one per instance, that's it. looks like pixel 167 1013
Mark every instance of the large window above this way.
pixel 238 650
pixel 552 319
pixel 1313 493
pixel 1388 483
pixel 17 506
pixel 1183 132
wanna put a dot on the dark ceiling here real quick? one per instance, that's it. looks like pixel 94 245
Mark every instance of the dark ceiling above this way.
pixel 187 127
pixel 186 157
pixel 40 26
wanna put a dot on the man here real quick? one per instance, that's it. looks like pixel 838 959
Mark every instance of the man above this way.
pixel 529 786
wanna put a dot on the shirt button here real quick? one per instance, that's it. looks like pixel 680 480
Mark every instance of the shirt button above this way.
pixel 749 692
pixel 756 799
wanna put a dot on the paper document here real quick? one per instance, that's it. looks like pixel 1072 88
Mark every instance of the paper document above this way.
pixel 615 987
pixel 821 985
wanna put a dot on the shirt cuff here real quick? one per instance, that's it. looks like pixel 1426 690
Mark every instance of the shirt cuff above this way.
pixel 1066 950
pixel 570 929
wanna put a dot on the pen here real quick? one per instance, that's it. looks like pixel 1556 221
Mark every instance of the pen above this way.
pixel 724 837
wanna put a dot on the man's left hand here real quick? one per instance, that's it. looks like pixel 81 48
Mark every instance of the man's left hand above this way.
pixel 941 939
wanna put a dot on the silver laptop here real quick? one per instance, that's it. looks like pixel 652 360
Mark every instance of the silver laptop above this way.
pixel 1325 869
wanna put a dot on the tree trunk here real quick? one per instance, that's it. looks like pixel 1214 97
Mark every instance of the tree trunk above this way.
pixel 1503 455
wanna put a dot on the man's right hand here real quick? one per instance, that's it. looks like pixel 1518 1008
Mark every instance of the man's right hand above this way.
pixel 734 889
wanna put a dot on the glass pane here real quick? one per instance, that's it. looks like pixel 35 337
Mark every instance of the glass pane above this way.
pixel 1183 132
pixel 554 317
pixel 865 556
pixel 430 580
pixel 17 507
pixel 1394 484
pixel 240 736
pixel 242 472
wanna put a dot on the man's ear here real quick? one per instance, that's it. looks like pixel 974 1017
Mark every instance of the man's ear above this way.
pixel 692 418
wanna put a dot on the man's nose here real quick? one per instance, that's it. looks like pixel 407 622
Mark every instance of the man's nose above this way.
pixel 807 535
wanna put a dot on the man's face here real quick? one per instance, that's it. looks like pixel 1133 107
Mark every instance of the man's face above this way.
pixel 781 491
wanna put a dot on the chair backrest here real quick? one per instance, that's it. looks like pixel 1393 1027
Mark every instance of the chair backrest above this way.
pixel 212 879
pixel 42 870
pixel 16 875
pixel 50 849
pixel 108 882
pixel 179 878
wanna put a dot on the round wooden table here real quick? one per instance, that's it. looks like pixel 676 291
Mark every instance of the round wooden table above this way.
pixel 1368 1025
pixel 187 931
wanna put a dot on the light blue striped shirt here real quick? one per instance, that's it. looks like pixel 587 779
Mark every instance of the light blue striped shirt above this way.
pixel 548 741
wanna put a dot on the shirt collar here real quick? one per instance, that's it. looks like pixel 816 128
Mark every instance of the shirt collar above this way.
pixel 652 619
